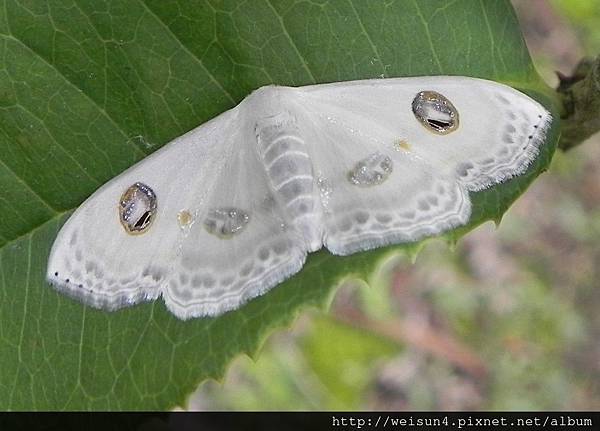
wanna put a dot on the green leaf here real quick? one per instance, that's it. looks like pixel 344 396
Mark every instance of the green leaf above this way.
pixel 342 357
pixel 88 87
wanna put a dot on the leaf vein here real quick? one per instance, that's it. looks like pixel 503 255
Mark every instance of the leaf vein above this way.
pixel 366 33
pixel 211 76
pixel 428 34
pixel 292 43
pixel 79 90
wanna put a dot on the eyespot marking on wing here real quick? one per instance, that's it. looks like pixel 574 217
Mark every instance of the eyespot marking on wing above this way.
pixel 435 112
pixel 226 222
pixel 137 208
pixel 371 171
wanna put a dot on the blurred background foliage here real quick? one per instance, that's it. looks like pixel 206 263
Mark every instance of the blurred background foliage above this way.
pixel 508 320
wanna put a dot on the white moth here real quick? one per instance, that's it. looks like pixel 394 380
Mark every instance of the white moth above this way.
pixel 230 209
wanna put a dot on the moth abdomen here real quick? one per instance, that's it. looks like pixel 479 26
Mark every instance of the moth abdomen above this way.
pixel 289 168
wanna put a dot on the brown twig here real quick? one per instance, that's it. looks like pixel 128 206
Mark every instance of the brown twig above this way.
pixel 580 95
pixel 424 338
pixel 420 334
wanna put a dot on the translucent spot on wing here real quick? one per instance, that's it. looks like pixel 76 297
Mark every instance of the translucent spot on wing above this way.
pixel 371 171
pixel 226 222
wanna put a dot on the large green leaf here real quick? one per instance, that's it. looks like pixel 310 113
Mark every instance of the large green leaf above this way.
pixel 88 87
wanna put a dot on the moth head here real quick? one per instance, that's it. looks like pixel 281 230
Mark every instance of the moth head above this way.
pixel 435 112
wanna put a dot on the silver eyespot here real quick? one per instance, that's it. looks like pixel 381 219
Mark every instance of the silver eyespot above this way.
pixel 371 171
pixel 226 222
pixel 137 209
pixel 435 112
